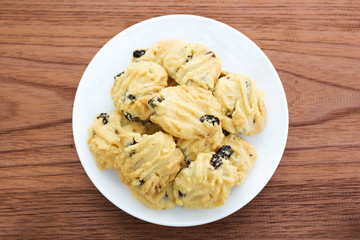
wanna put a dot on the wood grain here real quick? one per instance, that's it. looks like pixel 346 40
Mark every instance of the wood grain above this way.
pixel 45 47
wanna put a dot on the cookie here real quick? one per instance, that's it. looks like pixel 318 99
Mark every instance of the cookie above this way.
pixel 242 104
pixel 186 112
pixel 243 157
pixel 192 64
pixel 109 134
pixel 206 182
pixel 191 147
pixel 160 200
pixel 133 88
pixel 155 53
pixel 150 163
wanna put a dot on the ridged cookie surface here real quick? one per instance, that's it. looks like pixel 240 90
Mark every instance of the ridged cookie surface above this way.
pixel 109 134
pixel 134 87
pixel 192 64
pixel 186 112
pixel 163 199
pixel 205 183
pixel 149 164
pixel 242 104
pixel 243 155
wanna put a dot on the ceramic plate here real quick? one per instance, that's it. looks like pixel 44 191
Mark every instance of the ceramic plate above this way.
pixel 238 54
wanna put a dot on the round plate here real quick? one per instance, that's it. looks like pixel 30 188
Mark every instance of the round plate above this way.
pixel 238 54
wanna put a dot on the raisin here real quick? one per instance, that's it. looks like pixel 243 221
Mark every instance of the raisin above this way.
pixel 166 196
pixel 250 155
pixel 116 131
pixel 254 121
pixel 188 162
pixel 131 97
pixel 130 117
pixel 132 153
pixel 189 57
pixel 247 84
pixel 105 121
pixel 105 117
pixel 225 151
pixel 182 194
pixel 118 75
pixel 133 143
pixel 141 182
pixel 211 52
pixel 138 53
pixel 101 115
pixel 226 133
pixel 216 160
pixel 155 101
pixel 210 119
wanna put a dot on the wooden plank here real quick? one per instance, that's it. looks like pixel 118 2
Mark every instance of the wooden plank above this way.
pixel 45 47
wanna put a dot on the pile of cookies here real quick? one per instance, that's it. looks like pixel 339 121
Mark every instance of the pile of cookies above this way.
pixel 173 137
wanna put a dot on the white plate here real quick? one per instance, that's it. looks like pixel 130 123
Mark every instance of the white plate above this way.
pixel 238 54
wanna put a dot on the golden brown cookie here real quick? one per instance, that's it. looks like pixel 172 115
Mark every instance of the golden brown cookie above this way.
pixel 134 87
pixel 109 134
pixel 243 155
pixel 150 164
pixel 192 64
pixel 161 200
pixel 206 182
pixel 242 104
pixel 186 112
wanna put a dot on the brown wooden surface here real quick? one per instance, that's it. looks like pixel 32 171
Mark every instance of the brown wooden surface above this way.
pixel 45 47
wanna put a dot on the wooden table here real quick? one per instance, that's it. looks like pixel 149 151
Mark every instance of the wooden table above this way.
pixel 45 47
